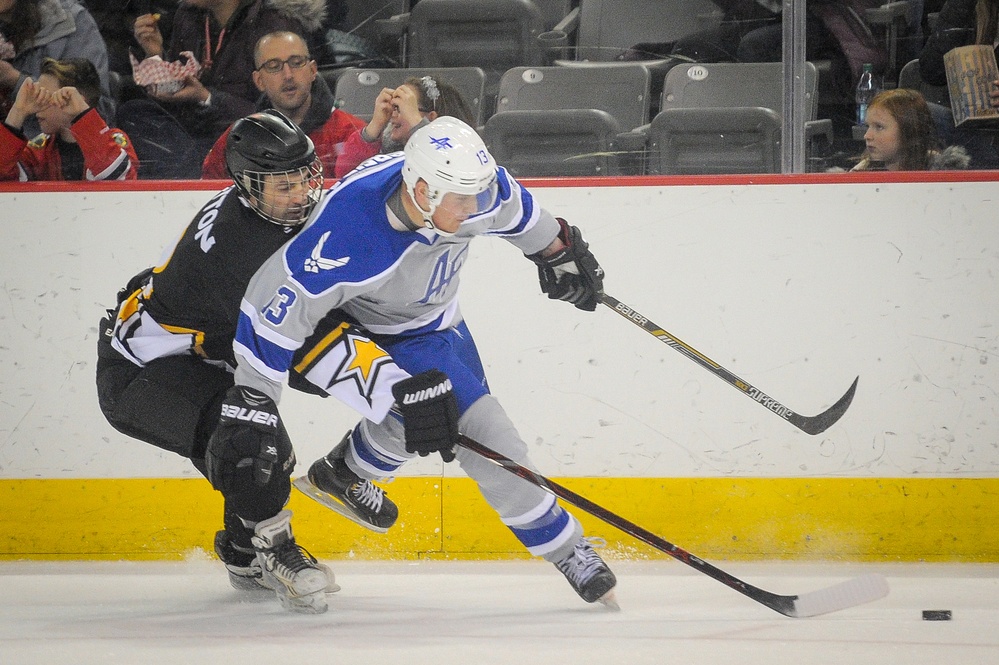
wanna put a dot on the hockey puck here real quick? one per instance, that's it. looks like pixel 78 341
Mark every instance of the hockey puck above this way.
pixel 936 615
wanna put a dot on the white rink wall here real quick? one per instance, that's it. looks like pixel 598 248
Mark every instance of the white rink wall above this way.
pixel 797 288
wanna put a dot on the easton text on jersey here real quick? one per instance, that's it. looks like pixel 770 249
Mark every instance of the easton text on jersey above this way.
pixel 204 234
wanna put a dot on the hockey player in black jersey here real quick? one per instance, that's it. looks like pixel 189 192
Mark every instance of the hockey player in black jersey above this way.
pixel 165 357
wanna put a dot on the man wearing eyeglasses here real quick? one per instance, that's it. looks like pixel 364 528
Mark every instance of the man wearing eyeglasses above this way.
pixel 173 132
pixel 288 76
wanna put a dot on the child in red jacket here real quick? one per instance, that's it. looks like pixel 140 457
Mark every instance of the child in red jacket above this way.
pixel 75 143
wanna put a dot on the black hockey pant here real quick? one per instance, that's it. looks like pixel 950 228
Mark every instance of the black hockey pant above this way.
pixel 174 403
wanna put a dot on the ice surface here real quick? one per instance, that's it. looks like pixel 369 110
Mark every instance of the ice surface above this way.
pixel 522 612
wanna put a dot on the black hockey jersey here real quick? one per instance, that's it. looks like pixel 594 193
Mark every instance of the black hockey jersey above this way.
pixel 190 303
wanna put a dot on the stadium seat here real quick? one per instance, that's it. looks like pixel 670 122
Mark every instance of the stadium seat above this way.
pixel 564 142
pixel 911 78
pixel 607 28
pixel 356 88
pixel 726 118
pixel 566 120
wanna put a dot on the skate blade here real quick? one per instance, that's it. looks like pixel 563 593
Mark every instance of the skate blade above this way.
pixel 305 486
pixel 331 585
pixel 313 603
pixel 609 600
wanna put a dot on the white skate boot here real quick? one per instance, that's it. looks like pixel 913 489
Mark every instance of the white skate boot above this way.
pixel 296 577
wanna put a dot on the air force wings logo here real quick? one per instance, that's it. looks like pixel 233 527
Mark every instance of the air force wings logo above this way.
pixel 316 262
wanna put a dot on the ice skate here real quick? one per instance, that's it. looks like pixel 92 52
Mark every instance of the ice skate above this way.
pixel 286 567
pixel 588 574
pixel 242 565
pixel 331 482
pixel 244 570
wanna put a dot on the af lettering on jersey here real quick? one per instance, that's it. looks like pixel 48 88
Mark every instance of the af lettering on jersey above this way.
pixel 445 270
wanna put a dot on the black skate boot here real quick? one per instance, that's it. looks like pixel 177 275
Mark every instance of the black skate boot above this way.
pixel 242 565
pixel 588 574
pixel 331 482
pixel 299 581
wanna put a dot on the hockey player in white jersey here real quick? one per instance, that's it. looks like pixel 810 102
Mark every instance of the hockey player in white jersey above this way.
pixel 387 247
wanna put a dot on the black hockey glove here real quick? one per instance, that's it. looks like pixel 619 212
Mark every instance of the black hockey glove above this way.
pixel 250 445
pixel 429 413
pixel 572 273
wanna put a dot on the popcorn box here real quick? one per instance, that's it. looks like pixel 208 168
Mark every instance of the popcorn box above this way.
pixel 970 73
pixel 159 77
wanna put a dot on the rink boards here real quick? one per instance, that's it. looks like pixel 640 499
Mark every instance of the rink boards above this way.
pixel 797 284
pixel 827 519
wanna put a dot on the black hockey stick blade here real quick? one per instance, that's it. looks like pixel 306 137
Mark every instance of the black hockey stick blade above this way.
pixel 808 424
pixel 850 593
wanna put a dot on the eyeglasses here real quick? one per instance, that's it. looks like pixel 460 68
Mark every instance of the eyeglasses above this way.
pixel 274 65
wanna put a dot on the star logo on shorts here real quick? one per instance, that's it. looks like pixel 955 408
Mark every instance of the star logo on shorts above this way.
pixel 363 361
pixel 442 143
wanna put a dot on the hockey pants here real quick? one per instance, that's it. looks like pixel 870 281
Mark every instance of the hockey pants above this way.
pixel 174 403
pixel 532 514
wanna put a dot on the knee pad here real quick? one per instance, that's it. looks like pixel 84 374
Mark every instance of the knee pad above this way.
pixel 230 462
pixel 257 503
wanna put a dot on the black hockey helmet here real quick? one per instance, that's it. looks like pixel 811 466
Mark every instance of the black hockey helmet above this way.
pixel 267 146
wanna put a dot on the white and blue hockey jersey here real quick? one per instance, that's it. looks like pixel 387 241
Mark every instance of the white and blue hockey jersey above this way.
pixel 394 283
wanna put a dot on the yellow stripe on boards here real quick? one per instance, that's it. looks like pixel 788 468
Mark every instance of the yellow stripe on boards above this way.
pixel 851 519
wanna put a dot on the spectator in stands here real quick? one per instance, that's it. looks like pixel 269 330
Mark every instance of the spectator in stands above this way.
pixel 288 76
pixel 33 30
pixel 962 23
pixel 901 136
pixel 115 19
pixel 76 143
pixel 400 112
pixel 835 31
pixel 173 132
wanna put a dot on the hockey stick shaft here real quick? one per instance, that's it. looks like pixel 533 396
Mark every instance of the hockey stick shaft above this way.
pixel 778 603
pixel 809 424
pixel 838 597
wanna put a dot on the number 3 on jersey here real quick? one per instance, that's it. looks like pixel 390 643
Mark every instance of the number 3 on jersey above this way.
pixel 279 305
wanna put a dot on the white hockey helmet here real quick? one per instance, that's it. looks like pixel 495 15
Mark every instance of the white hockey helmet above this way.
pixel 451 158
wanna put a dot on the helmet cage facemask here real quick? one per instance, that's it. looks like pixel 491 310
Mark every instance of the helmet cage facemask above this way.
pixel 251 185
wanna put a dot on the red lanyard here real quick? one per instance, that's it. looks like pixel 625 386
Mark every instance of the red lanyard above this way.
pixel 207 62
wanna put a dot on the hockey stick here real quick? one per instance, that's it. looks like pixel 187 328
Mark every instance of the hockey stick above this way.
pixel 809 424
pixel 840 596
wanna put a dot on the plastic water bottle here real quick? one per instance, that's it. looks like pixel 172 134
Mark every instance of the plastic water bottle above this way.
pixel 866 90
